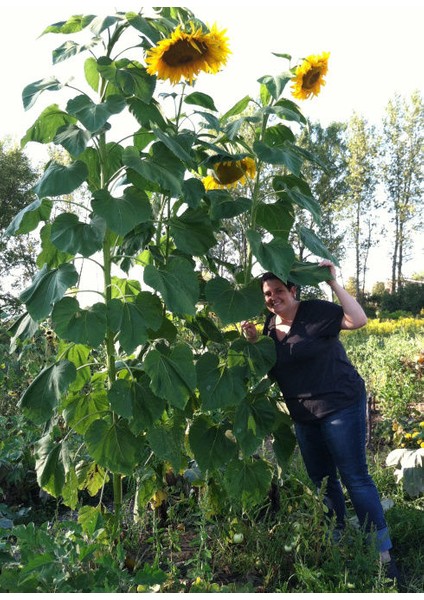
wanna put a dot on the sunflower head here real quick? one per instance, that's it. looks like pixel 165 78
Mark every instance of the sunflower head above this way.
pixel 309 76
pixel 185 54
pixel 230 173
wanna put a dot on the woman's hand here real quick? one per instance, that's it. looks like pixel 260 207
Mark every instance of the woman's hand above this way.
pixel 250 331
pixel 331 268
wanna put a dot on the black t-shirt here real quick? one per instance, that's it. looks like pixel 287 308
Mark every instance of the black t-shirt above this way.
pixel 312 368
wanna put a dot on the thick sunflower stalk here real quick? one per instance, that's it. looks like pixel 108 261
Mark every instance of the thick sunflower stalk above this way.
pixel 156 374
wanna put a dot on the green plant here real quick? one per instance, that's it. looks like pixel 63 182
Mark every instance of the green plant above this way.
pixel 133 372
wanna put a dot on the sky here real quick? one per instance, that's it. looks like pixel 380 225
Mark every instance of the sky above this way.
pixel 376 50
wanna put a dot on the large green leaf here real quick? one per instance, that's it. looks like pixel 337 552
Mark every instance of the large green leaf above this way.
pixel 74 24
pixel 308 273
pixel 29 217
pixel 147 408
pixel 193 191
pixel 52 463
pixel 200 99
pixel 133 320
pixel 78 354
pixel 172 374
pixel 277 218
pixel 168 443
pixel 234 304
pixel 113 446
pixel 82 326
pixel 42 396
pixel 259 357
pixel 276 256
pixel 298 192
pixel 180 145
pixel 218 385
pixel 122 214
pixel 82 409
pixel 127 76
pixel 120 396
pixel 94 116
pixel 50 255
pixel 44 129
pixel 248 481
pixel 225 206
pixel 69 234
pixel 60 179
pixel 46 288
pixel 211 447
pixel 286 155
pixel 193 232
pixel 314 244
pixel 177 283
pixel 33 90
pixel 162 168
pixel 72 138
pixel 284 444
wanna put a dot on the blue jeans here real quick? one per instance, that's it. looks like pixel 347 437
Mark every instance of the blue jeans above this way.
pixel 336 443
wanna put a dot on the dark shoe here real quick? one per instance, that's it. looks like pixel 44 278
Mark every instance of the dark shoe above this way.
pixel 391 572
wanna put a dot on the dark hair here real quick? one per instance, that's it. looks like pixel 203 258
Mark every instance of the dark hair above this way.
pixel 268 275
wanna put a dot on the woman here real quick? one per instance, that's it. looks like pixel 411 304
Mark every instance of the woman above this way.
pixel 325 396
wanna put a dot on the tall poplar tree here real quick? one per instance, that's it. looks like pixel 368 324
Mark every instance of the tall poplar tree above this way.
pixel 360 199
pixel 402 175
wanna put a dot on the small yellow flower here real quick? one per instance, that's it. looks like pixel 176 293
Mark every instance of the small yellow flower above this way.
pixel 422 445
pixel 230 173
pixel 185 54
pixel 309 76
pixel 408 436
pixel 421 424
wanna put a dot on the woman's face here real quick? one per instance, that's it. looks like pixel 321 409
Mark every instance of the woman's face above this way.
pixel 278 298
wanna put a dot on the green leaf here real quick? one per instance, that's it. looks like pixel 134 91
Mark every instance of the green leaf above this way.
pixel 314 244
pixel 234 304
pixel 286 155
pixel 29 217
pixel 71 235
pixel 128 76
pixel 113 446
pixel 259 357
pixel 276 256
pixel 32 91
pixel 132 320
pixel 277 218
pixel 173 375
pixel 92 75
pixel 82 326
pixel 74 24
pixel 94 116
pixel 177 283
pixel 91 477
pixel 168 443
pixel 248 480
pixel 201 99
pixel 177 144
pixel 72 138
pixel 60 179
pixel 308 273
pixel 51 465
pixel 78 354
pixel 46 288
pixel 146 113
pixel 46 126
pixel 82 409
pixel 212 449
pixel 298 192
pixel 50 255
pixel 120 396
pixel 225 206
pixel 218 385
pixel 275 85
pixel 42 396
pixel 147 408
pixel 283 444
pixel 237 109
pixel 124 213
pixel 193 191
pixel 192 232
pixel 163 168
pixel 143 25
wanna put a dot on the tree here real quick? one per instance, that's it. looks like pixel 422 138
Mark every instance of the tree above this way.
pixel 402 175
pixel 326 177
pixel 17 255
pixel 360 195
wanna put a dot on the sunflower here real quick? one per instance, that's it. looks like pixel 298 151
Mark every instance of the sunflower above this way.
pixel 309 76
pixel 229 173
pixel 184 55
